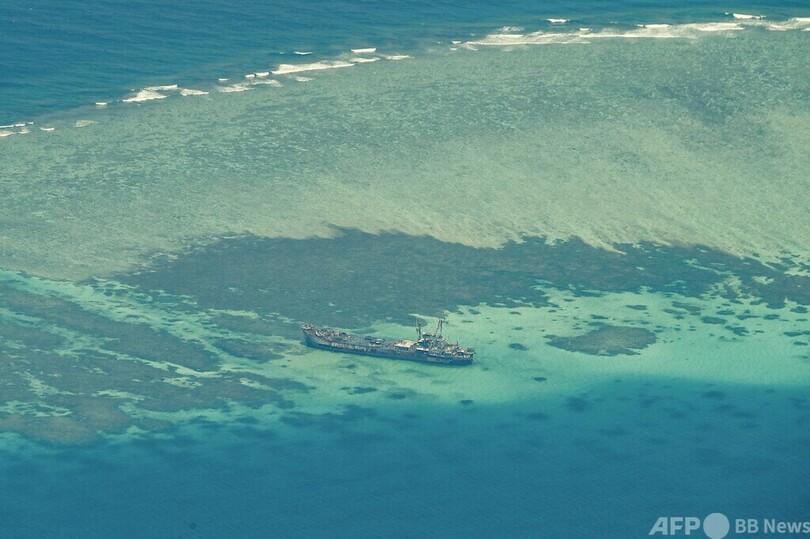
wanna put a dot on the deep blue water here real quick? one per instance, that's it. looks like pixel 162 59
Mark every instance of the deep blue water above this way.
pixel 596 465
pixel 605 464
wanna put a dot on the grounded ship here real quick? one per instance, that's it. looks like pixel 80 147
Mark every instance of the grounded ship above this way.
pixel 427 348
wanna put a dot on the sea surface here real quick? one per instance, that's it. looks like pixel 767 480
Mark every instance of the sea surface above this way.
pixel 607 200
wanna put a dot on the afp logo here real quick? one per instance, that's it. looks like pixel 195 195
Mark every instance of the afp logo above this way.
pixel 715 526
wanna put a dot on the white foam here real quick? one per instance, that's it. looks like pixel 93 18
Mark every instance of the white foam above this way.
pixel 263 74
pixel 241 87
pixel 649 31
pixel 396 57
pixel 250 76
pixel 534 38
pixel 746 17
pixel 23 131
pixel 286 69
pixel 303 53
pixel 151 93
pixel 190 91
pixel 147 94
pixel 47 129
pixel 21 124
pixel 456 42
pixel 715 26
pixel 506 38
pixel 101 103
pixel 780 27
pixel 510 29
pixel 672 31
pixel 267 82
pixel 365 60
pixel 797 23
pixel 83 123
pixel 303 79
pixel 669 31
pixel 369 50
pixel 558 21
pixel 6 133
pixel 223 79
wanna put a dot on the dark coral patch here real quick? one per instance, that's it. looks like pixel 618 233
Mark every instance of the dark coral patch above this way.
pixel 712 320
pixel 246 349
pixel 577 404
pixel 606 341
pixel 637 307
pixel 359 390
pixel 458 275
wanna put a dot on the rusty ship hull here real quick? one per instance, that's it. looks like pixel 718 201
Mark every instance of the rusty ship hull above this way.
pixel 426 349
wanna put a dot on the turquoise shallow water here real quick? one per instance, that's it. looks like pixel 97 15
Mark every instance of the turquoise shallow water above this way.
pixel 220 422
pixel 613 215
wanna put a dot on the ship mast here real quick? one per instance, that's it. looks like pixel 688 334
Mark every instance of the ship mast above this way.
pixel 418 330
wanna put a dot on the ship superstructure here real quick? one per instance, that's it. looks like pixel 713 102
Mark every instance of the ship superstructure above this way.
pixel 427 348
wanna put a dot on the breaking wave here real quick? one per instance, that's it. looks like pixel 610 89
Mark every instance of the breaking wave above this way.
pixel 513 36
pixel 557 30
pixel 286 69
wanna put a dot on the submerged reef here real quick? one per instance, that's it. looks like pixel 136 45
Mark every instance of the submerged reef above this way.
pixel 606 341
pixel 215 327
pixel 356 278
